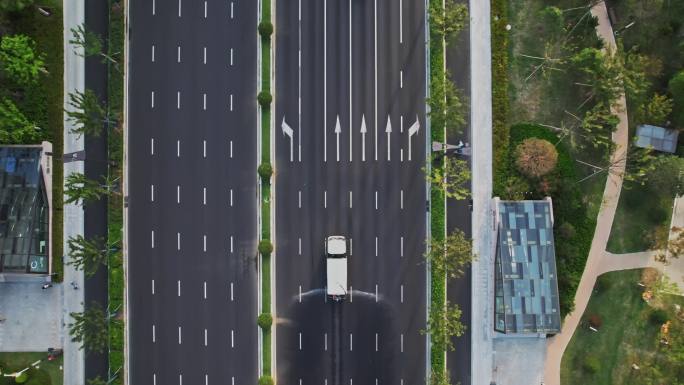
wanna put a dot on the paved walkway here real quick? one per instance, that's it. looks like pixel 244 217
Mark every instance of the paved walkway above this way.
pixel 32 317
pixel 557 344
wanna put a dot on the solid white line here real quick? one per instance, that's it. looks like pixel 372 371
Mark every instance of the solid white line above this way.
pixel 375 34
pixel 401 79
pixel 154 334
pixel 376 246
pixel 177 148
pixel 231 102
pixel 179 288
pixel 351 342
pixel 152 99
pixel 231 149
pixel 300 293
pixel 231 9
pixel 350 85
pixel 401 295
pixel 231 243
pixel 231 57
pixel 151 146
pixel 204 102
pixel 178 100
pixel 179 8
pixel 300 340
pixel 153 287
pixel 205 9
pixel 204 148
pixel 178 240
pixel 402 342
pixel 153 239
pixel 178 194
pixel 231 292
pixel 376 293
pixel 376 342
pixel 232 338
pixel 204 59
pixel 205 289
pixel 154 11
pixel 325 199
pixel 401 22
pixel 151 193
pixel 401 200
pixel 300 246
pixel 300 199
pixel 205 337
pixel 325 80
pixel 231 197
pixel 350 199
pixel 376 199
pixel 204 195
pixel 299 83
pixel 402 247
pixel 152 53
pixel 325 344
pixel 204 243
pixel 179 335
pixel 178 59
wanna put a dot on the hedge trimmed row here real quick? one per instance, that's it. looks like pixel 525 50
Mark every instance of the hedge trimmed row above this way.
pixel 500 128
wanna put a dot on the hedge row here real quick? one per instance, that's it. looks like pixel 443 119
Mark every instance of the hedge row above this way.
pixel 500 128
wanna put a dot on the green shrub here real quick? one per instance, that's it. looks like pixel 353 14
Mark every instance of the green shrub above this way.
pixel 658 317
pixel 265 29
pixel 676 88
pixel 265 171
pixel 265 320
pixel 22 378
pixel 265 247
pixel 603 283
pixel 264 98
pixel 566 230
pixel 591 364
pixel 265 380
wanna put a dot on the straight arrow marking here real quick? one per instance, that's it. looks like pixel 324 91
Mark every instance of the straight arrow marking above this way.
pixel 338 130
pixel 363 137
pixel 388 130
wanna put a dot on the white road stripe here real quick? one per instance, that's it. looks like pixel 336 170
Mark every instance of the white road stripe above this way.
pixel 401 293
pixel 205 9
pixel 325 199
pixel 375 64
pixel 376 344
pixel 376 293
pixel 152 53
pixel 402 247
pixel 180 379
pixel 179 288
pixel 299 82
pixel 402 342
pixel 401 200
pixel 376 199
pixel 231 149
pixel 204 55
pixel 154 11
pixel 351 342
pixel 231 9
pixel 351 246
pixel 205 337
pixel 401 123
pixel 151 193
pixel 206 379
pixel 231 243
pixel 231 57
pixel 232 298
pixel 204 195
pixel 350 86
pixel 205 289
pixel 154 334
pixel 178 58
pixel 231 102
pixel 401 22
pixel 401 79
pixel 153 287
pixel 177 148
pixel 325 80
pixel 178 100
pixel 232 338
pixel 300 293
pixel 351 200
pixel 179 335
pixel 204 243
pixel 300 340
pixel 204 145
pixel 231 197
pixel 179 8
pixel 300 198
pixel 153 239
pixel 325 342
pixel 178 240
pixel 376 246
pixel 152 99
pixel 178 194
pixel 204 102
pixel 151 146
pixel 351 294
pixel 154 379
pixel 300 246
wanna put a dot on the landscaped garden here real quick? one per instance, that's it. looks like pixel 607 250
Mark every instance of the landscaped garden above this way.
pixel 632 332
pixel 44 373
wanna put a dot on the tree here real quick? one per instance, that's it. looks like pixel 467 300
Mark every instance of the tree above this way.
pixel 14 5
pixel 452 255
pixel 676 88
pixel 444 323
pixel 655 111
pixel 515 188
pixel 15 128
pixel 90 43
pixel 447 106
pixel 441 377
pixel 90 328
pixel 87 114
pixel 535 157
pixel 597 127
pixel 666 175
pixel 80 189
pixel 19 59
pixel 88 254
pixel 670 245
pixel 448 20
pixel 452 178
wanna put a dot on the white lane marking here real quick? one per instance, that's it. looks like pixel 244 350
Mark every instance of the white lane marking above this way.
pixel 401 79
pixel 152 53
pixel 177 148
pixel 402 342
pixel 375 64
pixel 231 243
pixel 152 99
pixel 401 123
pixel 178 240
pixel 300 246
pixel 350 83
pixel 178 100
pixel 351 201
pixel 154 334
pixel 204 55
pixel 206 379
pixel 232 381
pixel 179 287
pixel 153 287
pixel 179 335
pixel 376 199
pixel 338 130
pixel 151 146
pixel 413 130
pixel 300 293
pixel 232 338
pixel 154 11
pixel 325 199
pixel 401 293
pixel 325 80
pixel 376 344
pixel 204 195
pixel 351 246
pixel 351 294
pixel 364 130
pixel 376 293
pixel 231 149
pixel 231 9
pixel 299 82
pixel 287 131
pixel 351 342
pixel 205 337
pixel 401 199
pixel 180 379
pixel 204 101
pixel 325 342
pixel 204 148
pixel 231 57
pixel 401 154
pixel 401 22
pixel 388 130
pixel 178 194
pixel 151 193
pixel 154 379
pixel 231 197
pixel 205 289
pixel 401 248
pixel 376 246
pixel 231 102
pixel 153 239
pixel 232 298
pixel 205 9
pixel 178 59
pixel 204 243
pixel 179 8
pixel 300 198
pixel 300 340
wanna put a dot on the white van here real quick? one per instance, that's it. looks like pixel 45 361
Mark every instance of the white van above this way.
pixel 336 266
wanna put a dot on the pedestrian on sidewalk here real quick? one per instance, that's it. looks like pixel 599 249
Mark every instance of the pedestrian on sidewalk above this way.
pixel 47 286
pixel 74 285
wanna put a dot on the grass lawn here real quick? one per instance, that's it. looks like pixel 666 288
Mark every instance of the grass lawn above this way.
pixel 627 335
pixel 49 372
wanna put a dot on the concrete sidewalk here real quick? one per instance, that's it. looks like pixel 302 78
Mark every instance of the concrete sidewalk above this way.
pixel 32 317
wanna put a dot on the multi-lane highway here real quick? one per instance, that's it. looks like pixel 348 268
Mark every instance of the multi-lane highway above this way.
pixel 192 193
pixel 350 146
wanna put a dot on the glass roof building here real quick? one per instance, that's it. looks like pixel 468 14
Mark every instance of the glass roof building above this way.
pixel 526 284
pixel 24 211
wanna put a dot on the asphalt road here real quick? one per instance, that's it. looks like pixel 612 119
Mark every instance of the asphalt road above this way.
pixel 361 61
pixel 192 203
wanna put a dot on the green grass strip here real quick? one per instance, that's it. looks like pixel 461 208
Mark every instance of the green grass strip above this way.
pixel 500 106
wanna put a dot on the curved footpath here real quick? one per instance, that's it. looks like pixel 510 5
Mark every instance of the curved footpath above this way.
pixel 611 194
